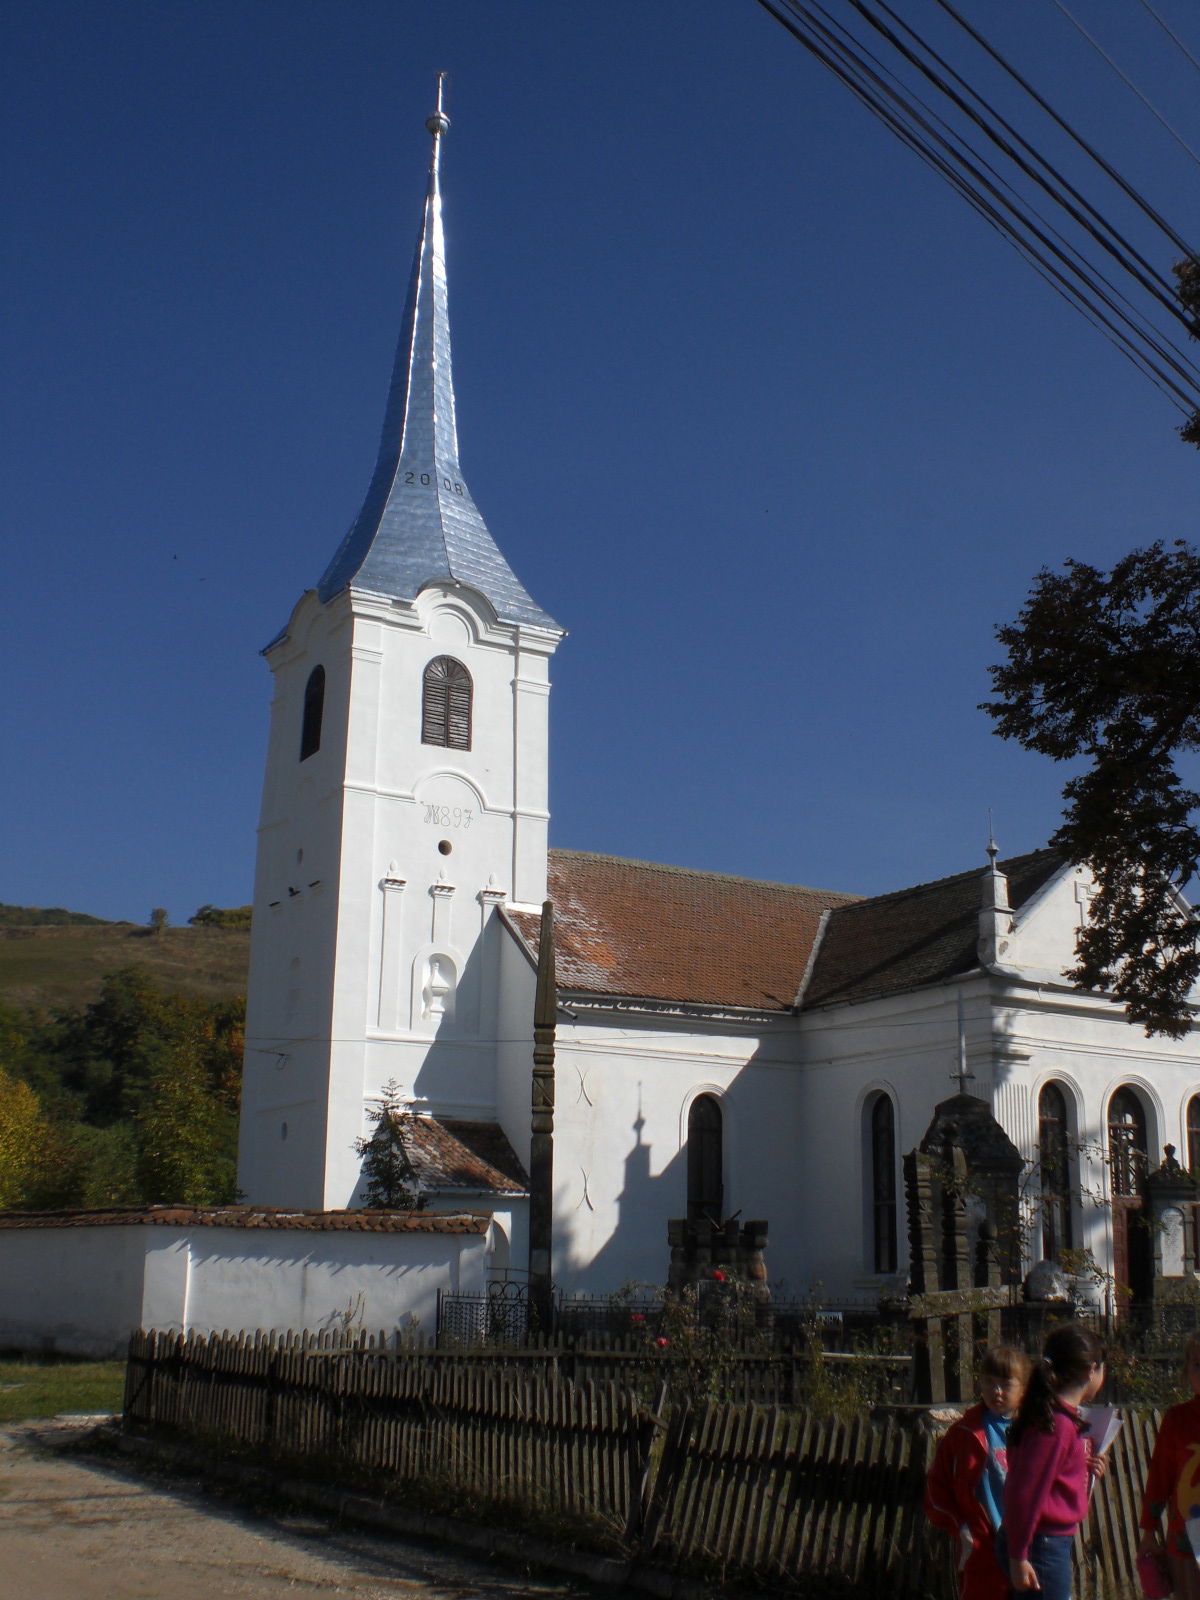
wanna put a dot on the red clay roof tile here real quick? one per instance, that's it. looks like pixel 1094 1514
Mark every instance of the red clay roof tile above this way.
pixel 634 929
pixel 253 1217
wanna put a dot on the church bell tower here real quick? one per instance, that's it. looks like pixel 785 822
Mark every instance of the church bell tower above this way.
pixel 405 796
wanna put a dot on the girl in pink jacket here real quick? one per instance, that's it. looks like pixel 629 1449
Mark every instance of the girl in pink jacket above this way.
pixel 1050 1465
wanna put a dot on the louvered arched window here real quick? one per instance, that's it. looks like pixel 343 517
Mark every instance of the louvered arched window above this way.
pixel 314 711
pixel 446 704
pixel 705 1160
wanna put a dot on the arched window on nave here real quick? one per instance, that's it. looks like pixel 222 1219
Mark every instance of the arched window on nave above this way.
pixel 881 1128
pixel 705 1160
pixel 1054 1164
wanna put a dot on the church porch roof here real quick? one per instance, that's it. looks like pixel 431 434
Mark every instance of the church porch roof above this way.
pixel 457 1153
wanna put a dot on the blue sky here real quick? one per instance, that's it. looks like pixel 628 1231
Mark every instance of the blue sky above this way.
pixel 754 405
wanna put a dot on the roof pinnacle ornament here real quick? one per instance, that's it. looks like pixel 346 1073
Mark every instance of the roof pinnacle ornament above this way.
pixel 438 122
pixel 419 524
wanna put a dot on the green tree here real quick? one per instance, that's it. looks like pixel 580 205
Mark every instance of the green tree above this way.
pixel 208 916
pixel 186 1142
pixel 1105 667
pixel 1187 277
pixel 22 1134
pixel 114 1079
pixel 390 1183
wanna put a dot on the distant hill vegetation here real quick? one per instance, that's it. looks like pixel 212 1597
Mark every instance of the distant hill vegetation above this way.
pixel 120 1058
pixel 55 917
pixel 51 959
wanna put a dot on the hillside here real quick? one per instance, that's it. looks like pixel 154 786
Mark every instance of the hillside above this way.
pixel 49 966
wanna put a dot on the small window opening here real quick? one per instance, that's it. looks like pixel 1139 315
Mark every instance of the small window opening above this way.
pixel 314 710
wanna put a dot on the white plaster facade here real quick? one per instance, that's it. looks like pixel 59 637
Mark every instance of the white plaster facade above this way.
pixel 79 1289
pixel 381 862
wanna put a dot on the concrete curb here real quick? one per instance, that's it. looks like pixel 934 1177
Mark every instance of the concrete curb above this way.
pixel 383 1516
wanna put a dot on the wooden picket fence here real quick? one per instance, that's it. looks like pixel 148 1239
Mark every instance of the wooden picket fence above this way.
pixel 692 1485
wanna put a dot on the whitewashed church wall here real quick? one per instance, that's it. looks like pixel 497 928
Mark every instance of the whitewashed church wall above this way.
pixel 1045 930
pixel 1018 1038
pixel 904 1046
pixel 624 1088
pixel 517 987
pixel 295 913
pixel 71 1291
pixel 305 1279
pixel 81 1290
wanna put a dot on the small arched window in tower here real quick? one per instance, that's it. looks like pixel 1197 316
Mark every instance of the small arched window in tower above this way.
pixel 1126 1142
pixel 314 710
pixel 1054 1163
pixel 705 1161
pixel 1193 1135
pixel 446 704
pixel 883 1183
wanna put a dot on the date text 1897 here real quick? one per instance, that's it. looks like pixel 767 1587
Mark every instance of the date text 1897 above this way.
pixel 425 479
pixel 449 816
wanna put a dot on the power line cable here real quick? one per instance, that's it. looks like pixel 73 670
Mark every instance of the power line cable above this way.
pixel 1128 82
pixel 1077 279
pixel 1109 237
pixel 1171 34
pixel 1089 150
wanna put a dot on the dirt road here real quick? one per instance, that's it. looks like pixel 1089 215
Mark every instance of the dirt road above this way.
pixel 79 1527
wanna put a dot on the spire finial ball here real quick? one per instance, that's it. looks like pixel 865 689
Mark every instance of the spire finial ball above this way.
pixel 439 122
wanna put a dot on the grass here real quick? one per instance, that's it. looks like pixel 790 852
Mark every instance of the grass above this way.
pixel 64 967
pixel 30 1389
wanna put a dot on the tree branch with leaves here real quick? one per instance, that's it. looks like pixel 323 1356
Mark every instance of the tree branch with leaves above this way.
pixel 1105 668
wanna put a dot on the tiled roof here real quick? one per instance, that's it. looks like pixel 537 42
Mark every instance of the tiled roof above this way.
pixel 637 930
pixel 914 936
pixel 253 1217
pixel 450 1153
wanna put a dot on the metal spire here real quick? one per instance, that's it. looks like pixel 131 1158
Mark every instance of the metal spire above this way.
pixel 419 524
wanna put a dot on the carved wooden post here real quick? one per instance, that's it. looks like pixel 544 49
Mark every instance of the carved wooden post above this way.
pixel 541 1145
pixel 925 1267
pixel 962 1375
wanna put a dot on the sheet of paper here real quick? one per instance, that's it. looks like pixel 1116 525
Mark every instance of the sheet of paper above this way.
pixel 1103 1426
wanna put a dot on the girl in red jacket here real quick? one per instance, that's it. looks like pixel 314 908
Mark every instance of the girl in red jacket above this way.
pixel 1050 1466
pixel 964 1493
pixel 1173 1484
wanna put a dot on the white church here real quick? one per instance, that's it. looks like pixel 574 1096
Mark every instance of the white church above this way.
pixel 725 1048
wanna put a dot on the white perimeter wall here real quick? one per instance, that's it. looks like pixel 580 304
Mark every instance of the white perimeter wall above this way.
pixel 81 1290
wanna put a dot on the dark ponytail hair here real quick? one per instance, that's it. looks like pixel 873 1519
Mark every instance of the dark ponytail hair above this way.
pixel 1068 1355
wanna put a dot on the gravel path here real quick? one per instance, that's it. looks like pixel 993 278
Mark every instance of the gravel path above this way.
pixel 78 1526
